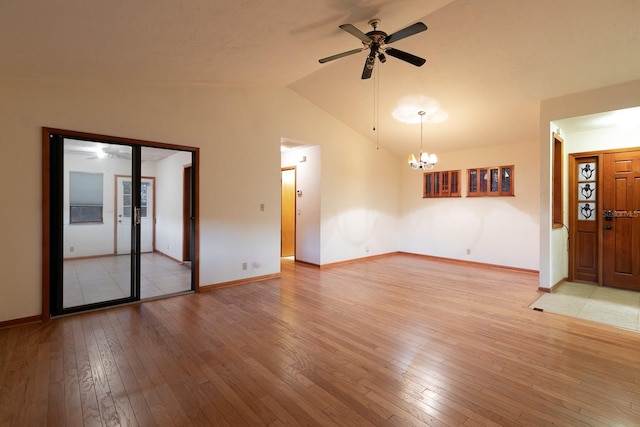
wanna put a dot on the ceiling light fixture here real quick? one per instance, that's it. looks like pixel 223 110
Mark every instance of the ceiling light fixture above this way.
pixel 425 161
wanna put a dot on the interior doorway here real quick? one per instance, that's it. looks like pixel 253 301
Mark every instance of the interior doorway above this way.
pixel 288 212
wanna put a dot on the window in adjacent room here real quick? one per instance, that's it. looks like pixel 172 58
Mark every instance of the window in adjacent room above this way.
pixel 85 197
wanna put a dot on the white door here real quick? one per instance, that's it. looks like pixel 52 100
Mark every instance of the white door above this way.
pixel 124 213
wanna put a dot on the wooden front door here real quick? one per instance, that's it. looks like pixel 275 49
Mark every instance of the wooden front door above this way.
pixel 621 219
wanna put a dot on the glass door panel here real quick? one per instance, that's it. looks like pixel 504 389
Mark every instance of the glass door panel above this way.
pixel 166 224
pixel 94 271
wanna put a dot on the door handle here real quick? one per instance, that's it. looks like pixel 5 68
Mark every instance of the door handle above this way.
pixel 608 227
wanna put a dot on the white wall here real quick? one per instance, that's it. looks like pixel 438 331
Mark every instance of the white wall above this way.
pixel 360 220
pixel 600 140
pixel 238 131
pixel 553 264
pixel 169 177
pixel 496 230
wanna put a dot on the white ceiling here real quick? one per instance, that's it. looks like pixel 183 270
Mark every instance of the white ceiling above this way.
pixel 489 62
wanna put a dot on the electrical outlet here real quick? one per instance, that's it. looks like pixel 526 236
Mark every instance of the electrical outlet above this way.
pixel 468 251
pixel 262 207
pixel 72 249
pixel 244 265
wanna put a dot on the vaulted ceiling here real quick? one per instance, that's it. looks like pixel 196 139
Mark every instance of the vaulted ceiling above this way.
pixel 489 63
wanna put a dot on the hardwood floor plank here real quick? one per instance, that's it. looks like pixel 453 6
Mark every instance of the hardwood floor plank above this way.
pixel 101 365
pixel 220 411
pixel 294 396
pixel 88 397
pixel 19 380
pixel 239 377
pixel 398 340
pixel 177 415
pixel 55 405
pixel 72 398
pixel 343 390
pixel 283 417
pixel 130 400
pixel 470 401
pixel 38 398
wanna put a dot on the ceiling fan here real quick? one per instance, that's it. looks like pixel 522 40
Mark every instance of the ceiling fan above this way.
pixel 110 151
pixel 376 42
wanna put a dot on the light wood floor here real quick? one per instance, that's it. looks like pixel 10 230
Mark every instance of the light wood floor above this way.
pixel 395 341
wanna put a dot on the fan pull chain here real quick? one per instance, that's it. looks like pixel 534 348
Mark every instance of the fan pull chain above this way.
pixel 376 105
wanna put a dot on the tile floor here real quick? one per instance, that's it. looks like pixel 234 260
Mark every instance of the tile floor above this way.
pixel 99 279
pixel 616 307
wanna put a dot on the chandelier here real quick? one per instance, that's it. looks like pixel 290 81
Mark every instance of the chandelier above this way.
pixel 425 161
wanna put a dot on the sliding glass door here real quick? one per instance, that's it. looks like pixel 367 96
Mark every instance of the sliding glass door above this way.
pixel 111 222
pixel 91 273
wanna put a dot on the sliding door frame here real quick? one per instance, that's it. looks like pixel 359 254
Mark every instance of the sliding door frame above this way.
pixel 52 194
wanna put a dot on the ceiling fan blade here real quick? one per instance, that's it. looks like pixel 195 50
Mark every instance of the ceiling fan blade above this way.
pixel 418 27
pixel 355 32
pixel 368 67
pixel 340 55
pixel 407 57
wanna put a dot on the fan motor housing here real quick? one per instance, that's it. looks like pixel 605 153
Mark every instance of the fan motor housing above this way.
pixel 377 36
